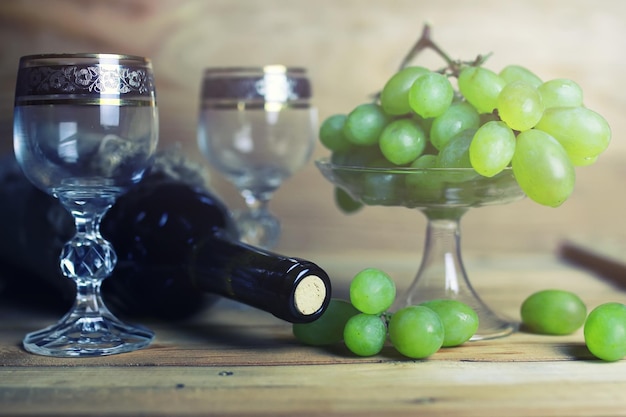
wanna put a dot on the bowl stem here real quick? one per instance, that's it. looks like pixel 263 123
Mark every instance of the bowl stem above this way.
pixel 442 274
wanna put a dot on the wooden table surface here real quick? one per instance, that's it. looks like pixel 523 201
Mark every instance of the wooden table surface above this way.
pixel 234 361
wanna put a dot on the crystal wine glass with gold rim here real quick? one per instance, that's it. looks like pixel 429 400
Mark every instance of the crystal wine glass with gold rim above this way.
pixel 257 127
pixel 85 130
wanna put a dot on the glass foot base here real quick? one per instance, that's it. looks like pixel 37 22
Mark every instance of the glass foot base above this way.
pixel 76 336
pixel 490 325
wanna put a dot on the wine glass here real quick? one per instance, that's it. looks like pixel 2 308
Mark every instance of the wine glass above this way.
pixel 444 195
pixel 85 130
pixel 257 128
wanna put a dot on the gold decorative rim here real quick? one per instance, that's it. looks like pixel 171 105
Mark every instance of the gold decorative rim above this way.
pixel 85 55
pixel 137 102
pixel 258 105
pixel 52 77
pixel 273 68
pixel 272 83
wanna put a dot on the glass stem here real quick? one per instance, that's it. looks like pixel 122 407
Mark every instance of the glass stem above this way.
pixel 255 203
pixel 442 274
pixel 257 226
pixel 89 328
pixel 88 258
pixel 88 299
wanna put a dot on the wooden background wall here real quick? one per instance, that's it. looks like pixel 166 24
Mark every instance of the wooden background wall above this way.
pixel 351 47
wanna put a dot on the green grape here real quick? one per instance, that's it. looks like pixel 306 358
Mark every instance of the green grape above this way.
pixel 492 148
pixel 519 105
pixel 542 168
pixel 356 156
pixel 430 185
pixel 561 92
pixel 459 320
pixel 331 133
pixel 425 161
pixel 555 312
pixel 382 187
pixel 512 73
pixel 416 331
pixel 345 202
pixel 430 95
pixel 421 186
pixel 459 117
pixel 402 141
pixel 394 98
pixel 480 87
pixel 328 328
pixel 582 132
pixel 605 331
pixel 365 334
pixel 380 162
pixel 424 123
pixel 365 124
pixel 372 291
pixel 583 161
pixel 456 153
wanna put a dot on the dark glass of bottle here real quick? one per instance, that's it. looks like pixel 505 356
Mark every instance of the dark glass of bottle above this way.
pixel 176 244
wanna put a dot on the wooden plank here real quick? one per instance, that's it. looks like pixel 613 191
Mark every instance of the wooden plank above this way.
pixel 274 345
pixel 390 389
pixel 233 335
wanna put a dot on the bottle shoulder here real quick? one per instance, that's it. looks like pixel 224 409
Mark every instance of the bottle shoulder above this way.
pixel 166 214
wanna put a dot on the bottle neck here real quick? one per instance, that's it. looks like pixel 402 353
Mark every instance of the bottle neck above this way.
pixel 292 289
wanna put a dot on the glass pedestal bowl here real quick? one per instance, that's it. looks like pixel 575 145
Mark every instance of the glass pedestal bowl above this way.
pixel 443 195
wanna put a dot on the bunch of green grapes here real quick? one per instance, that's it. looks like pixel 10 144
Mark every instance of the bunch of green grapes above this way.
pixel 468 116
pixel 365 325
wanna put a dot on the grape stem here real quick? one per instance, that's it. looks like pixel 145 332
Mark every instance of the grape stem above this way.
pixel 425 42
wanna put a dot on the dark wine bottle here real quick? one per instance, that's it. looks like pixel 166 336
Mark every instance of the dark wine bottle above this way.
pixel 176 243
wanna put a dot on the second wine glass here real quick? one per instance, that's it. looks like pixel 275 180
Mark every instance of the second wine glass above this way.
pixel 257 127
